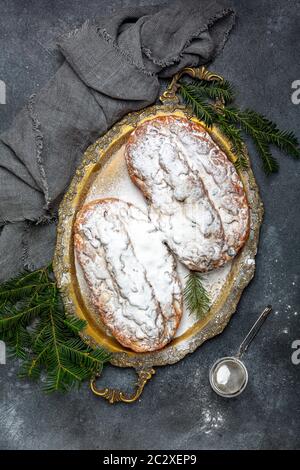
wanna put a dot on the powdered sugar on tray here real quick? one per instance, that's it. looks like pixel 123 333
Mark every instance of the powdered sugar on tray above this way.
pixel 113 181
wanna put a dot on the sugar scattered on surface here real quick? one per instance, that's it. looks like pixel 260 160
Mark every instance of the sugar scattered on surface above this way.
pixel 212 420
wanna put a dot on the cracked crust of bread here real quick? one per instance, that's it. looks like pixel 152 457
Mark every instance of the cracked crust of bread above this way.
pixel 195 194
pixel 130 272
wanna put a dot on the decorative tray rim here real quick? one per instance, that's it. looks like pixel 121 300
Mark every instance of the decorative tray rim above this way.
pixel 243 266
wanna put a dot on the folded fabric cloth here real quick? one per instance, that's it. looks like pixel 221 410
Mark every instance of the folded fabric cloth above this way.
pixel 112 66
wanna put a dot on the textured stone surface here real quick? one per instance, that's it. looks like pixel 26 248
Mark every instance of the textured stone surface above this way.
pixel 178 410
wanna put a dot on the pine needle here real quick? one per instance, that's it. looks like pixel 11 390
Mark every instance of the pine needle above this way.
pixel 195 295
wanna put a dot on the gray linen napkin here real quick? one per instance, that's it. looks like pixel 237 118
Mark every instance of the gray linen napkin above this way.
pixel 112 66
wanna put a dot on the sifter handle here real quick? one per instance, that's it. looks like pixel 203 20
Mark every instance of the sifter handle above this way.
pixel 253 332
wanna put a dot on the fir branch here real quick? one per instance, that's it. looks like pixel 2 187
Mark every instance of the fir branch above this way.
pixel 270 164
pixel 17 340
pixel 238 147
pixel 269 132
pixel 75 324
pixel 16 290
pixel 22 342
pixel 195 295
pixel 232 122
pixel 34 326
pixel 257 132
pixel 204 111
pixel 215 90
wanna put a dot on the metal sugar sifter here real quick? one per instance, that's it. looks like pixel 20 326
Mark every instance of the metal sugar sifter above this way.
pixel 228 376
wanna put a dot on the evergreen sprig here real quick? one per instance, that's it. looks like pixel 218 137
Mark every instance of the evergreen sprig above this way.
pixel 203 110
pixel 34 326
pixel 211 101
pixel 195 295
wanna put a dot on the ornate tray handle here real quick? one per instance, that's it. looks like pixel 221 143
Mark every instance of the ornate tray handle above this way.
pixel 201 73
pixel 115 396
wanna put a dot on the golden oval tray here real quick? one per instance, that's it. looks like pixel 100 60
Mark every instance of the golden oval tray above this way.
pixel 241 271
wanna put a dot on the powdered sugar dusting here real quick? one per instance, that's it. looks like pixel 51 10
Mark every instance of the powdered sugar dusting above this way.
pixel 197 198
pixel 130 272
pixel 113 181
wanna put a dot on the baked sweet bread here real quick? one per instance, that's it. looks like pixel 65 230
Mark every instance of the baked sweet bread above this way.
pixel 196 196
pixel 130 273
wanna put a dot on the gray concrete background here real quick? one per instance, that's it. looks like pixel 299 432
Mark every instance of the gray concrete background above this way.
pixel 178 410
